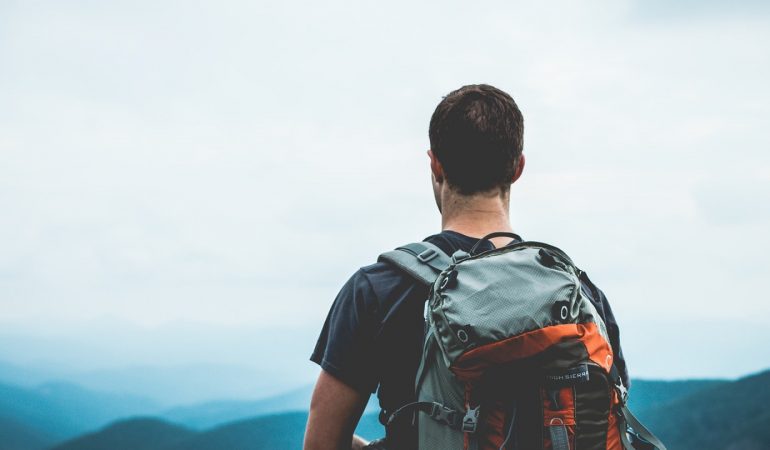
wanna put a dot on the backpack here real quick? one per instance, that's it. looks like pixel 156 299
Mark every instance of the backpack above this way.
pixel 515 356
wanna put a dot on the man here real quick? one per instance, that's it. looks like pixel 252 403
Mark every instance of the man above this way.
pixel 373 335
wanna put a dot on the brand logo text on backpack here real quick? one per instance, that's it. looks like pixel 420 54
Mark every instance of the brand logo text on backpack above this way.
pixel 577 374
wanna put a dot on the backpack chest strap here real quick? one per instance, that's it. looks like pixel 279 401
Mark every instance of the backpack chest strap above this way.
pixel 465 421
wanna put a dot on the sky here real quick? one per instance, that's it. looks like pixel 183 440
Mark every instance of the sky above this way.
pixel 205 171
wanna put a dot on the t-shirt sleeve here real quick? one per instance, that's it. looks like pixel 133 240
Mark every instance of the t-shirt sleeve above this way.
pixel 345 347
pixel 602 305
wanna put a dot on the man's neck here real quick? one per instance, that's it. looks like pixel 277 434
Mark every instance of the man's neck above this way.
pixel 477 215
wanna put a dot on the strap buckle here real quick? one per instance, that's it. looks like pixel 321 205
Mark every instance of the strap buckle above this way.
pixel 471 420
pixel 441 413
pixel 427 255
pixel 622 392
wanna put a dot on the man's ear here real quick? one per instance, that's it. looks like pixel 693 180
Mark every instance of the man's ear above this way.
pixel 519 168
pixel 435 167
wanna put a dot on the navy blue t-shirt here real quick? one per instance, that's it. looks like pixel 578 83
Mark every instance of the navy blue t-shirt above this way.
pixel 373 335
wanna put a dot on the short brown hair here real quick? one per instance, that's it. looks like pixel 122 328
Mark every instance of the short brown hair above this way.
pixel 477 134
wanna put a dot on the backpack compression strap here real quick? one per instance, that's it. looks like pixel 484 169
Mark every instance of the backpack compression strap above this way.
pixel 422 260
pixel 639 431
pixel 628 420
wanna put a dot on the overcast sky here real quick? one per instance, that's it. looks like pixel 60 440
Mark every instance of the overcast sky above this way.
pixel 231 163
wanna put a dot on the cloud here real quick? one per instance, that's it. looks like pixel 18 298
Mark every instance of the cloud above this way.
pixel 732 200
pixel 233 163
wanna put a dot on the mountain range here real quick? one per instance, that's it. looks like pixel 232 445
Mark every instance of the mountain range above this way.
pixel 690 414
pixel 731 416
pixel 274 431
pixel 56 411
pixel 211 414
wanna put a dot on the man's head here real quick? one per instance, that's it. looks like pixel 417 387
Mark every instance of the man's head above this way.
pixel 476 137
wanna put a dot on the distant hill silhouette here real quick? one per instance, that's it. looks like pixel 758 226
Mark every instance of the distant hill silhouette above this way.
pixel 22 376
pixel 211 414
pixel 38 409
pixel 179 384
pixel 131 434
pixel 64 410
pixel 733 416
pixel 261 433
pixel 272 432
pixel 646 396
pixel 15 435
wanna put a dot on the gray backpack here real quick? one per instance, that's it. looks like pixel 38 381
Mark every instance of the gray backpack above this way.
pixel 515 356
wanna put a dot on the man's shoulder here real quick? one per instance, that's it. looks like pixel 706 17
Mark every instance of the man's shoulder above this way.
pixel 383 278
pixel 377 269
pixel 390 284
pixel 387 281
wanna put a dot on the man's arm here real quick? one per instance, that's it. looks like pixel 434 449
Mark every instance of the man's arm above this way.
pixel 335 410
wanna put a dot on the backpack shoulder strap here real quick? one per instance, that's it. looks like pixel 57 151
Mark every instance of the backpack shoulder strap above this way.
pixel 421 260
